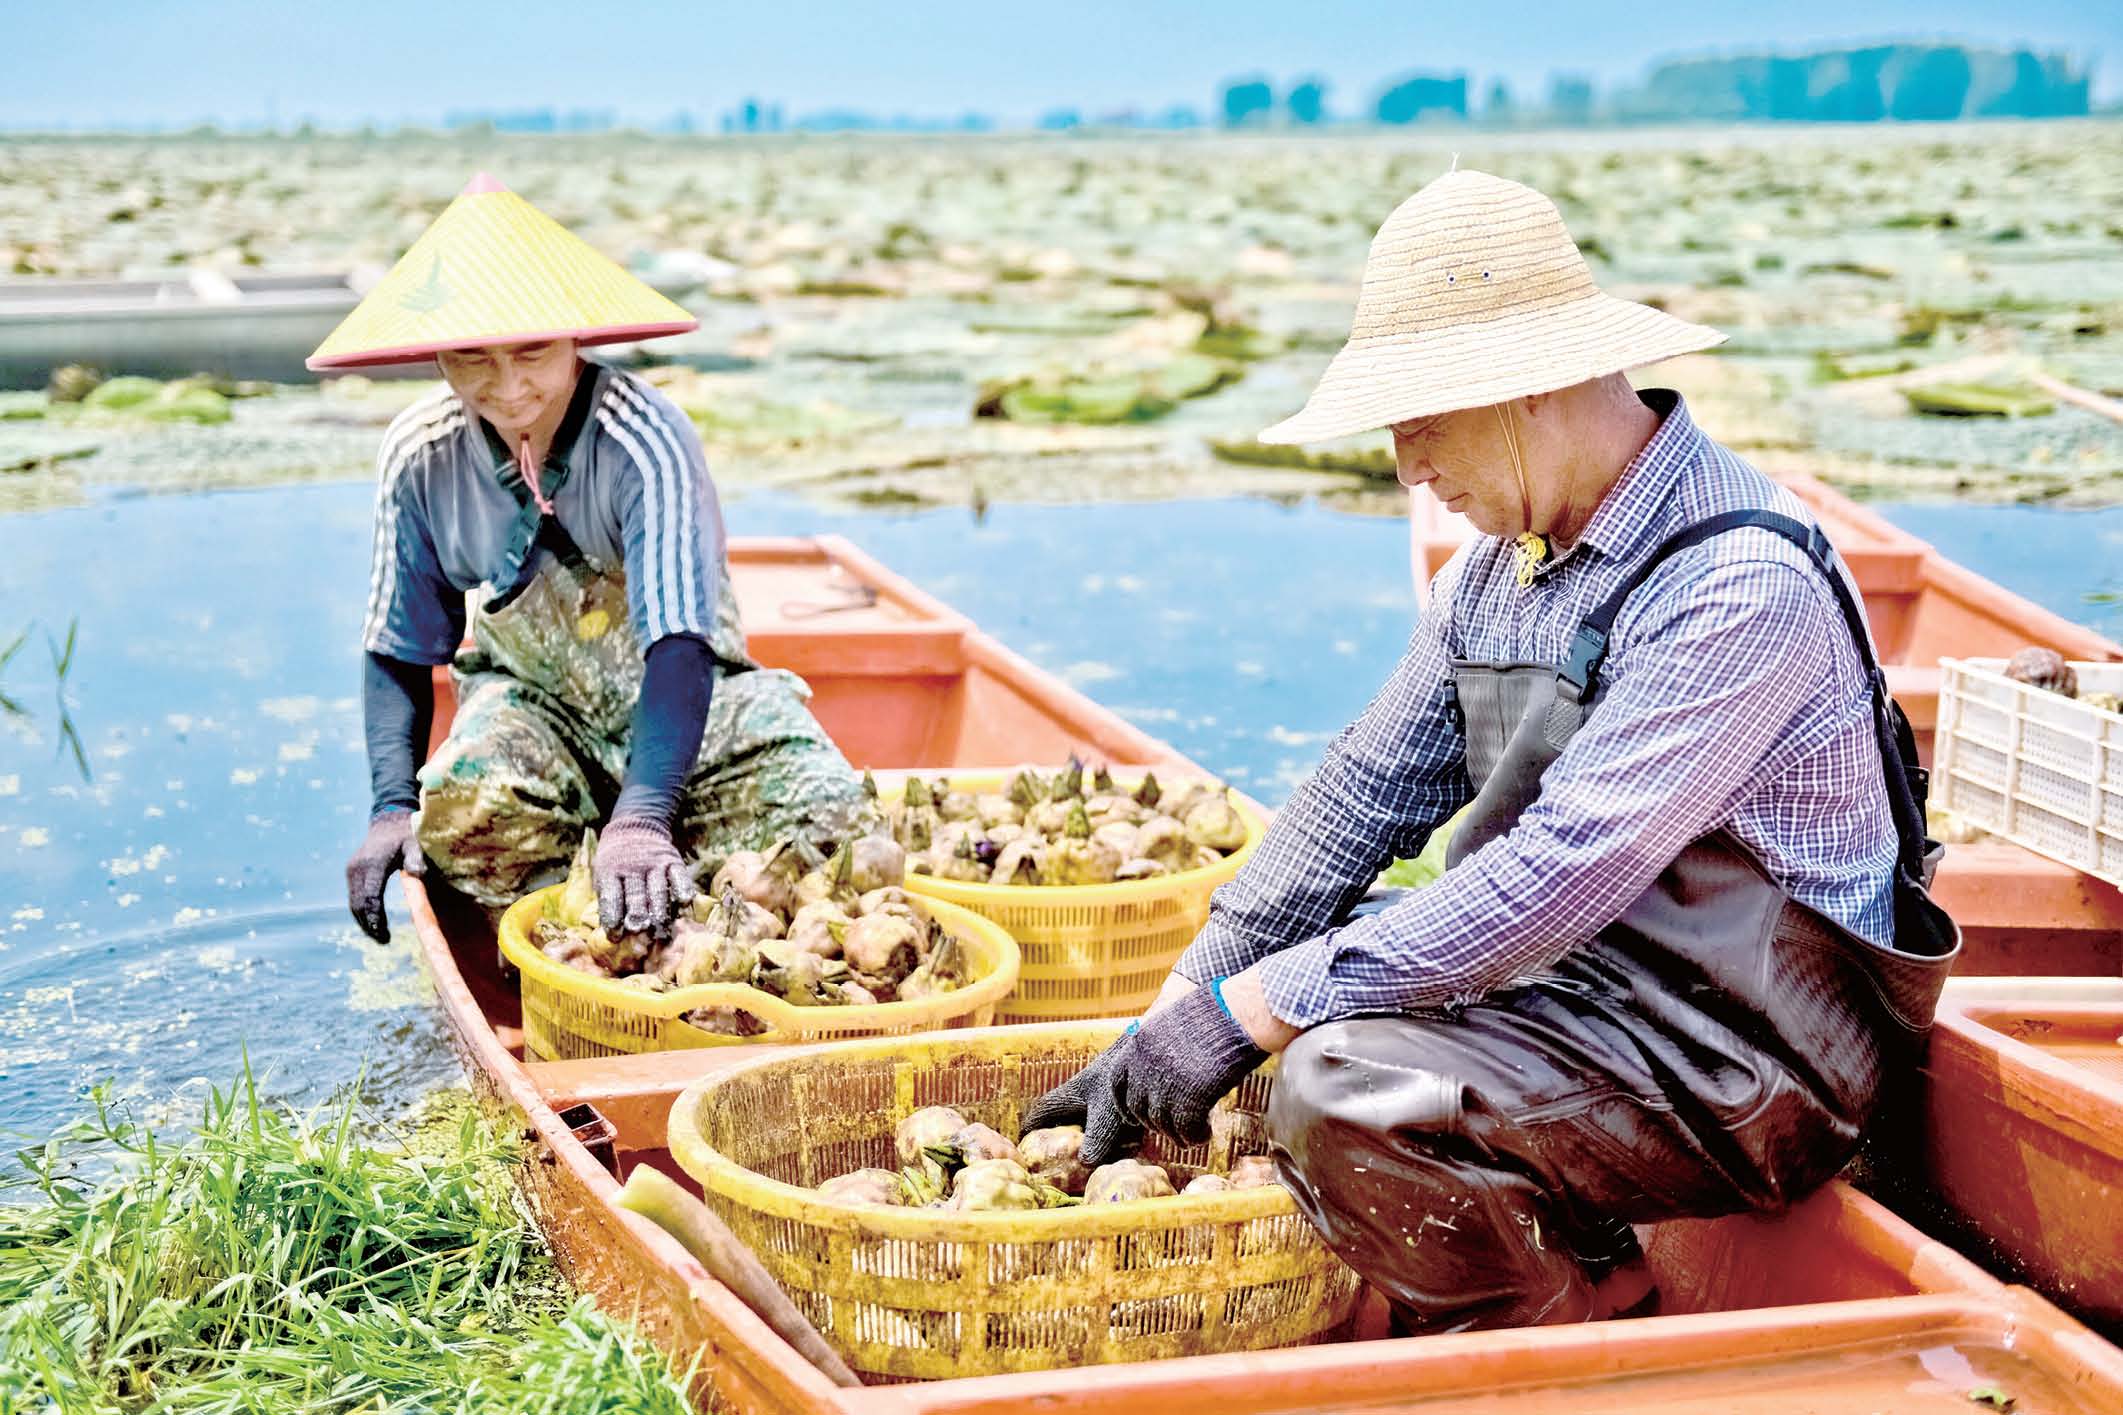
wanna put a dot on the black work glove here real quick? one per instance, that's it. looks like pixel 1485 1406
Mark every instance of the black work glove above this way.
pixel 642 880
pixel 388 848
pixel 1166 1075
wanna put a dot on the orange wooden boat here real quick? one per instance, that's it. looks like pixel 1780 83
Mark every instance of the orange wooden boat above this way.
pixel 2023 1133
pixel 902 681
pixel 898 678
pixel 1871 1294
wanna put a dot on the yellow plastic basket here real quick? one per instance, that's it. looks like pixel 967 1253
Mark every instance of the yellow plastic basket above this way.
pixel 928 1293
pixel 1094 950
pixel 568 1015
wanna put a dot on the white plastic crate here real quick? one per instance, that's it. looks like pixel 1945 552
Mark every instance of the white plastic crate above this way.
pixel 2040 769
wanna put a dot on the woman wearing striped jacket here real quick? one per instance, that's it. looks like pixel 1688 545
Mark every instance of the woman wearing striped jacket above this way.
pixel 558 515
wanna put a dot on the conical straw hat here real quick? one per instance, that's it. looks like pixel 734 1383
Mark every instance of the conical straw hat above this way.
pixel 1475 294
pixel 494 269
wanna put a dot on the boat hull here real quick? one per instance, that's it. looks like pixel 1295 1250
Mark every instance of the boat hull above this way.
pixel 2023 1134
pixel 898 679
pixel 246 326
pixel 1869 1276
pixel 1728 1284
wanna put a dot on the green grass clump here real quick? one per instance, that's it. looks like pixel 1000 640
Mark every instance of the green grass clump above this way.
pixel 852 289
pixel 275 1263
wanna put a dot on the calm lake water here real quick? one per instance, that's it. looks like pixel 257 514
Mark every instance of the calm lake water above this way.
pixel 171 900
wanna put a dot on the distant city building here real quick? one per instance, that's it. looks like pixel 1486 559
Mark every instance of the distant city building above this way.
pixel 1248 102
pixel 533 120
pixel 1499 108
pixel 1570 98
pixel 1307 102
pixel 1424 95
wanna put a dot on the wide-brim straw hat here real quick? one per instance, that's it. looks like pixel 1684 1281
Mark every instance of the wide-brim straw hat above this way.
pixel 494 269
pixel 1475 294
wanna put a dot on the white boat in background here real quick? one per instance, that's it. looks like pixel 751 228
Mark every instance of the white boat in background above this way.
pixel 250 325
pixel 189 321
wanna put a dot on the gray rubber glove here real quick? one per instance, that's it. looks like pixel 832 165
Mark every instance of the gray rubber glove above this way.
pixel 1088 1099
pixel 388 848
pixel 1166 1074
pixel 642 880
pixel 1186 1059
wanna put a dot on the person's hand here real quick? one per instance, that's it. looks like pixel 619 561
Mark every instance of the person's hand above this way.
pixel 1166 1074
pixel 1091 1098
pixel 642 880
pixel 388 847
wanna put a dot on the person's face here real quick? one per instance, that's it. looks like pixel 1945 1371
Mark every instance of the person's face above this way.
pixel 1463 458
pixel 514 386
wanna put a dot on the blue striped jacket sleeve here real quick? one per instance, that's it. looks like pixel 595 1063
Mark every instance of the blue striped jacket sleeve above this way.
pixel 670 522
pixel 413 614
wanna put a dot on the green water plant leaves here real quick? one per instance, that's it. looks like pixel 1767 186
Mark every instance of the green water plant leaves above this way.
pixel 1979 400
pixel 1363 462
pixel 1119 397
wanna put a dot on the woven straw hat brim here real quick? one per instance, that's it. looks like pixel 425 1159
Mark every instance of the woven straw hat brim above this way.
pixel 1379 382
pixel 493 269
pixel 583 337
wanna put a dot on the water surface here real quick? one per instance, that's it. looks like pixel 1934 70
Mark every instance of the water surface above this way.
pixel 181 901
pixel 180 904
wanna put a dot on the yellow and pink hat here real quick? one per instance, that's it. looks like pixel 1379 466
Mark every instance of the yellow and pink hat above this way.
pixel 494 269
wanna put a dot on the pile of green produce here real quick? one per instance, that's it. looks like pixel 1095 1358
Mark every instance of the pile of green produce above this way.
pixel 1064 828
pixel 949 1162
pixel 276 1263
pixel 813 930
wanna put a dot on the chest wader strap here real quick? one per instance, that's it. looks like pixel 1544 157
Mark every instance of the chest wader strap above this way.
pixel 530 532
pixel 533 528
pixel 1577 680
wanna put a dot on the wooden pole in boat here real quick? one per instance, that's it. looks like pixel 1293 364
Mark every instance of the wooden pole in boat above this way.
pixel 659 1199
pixel 2085 398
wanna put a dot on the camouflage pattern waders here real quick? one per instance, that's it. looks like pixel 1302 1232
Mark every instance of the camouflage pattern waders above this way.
pixel 545 699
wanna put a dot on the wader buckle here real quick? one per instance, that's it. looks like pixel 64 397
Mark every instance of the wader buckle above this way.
pixel 1583 662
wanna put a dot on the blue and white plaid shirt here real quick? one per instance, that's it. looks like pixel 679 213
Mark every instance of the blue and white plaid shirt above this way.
pixel 1732 696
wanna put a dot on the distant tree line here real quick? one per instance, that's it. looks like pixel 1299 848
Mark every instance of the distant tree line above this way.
pixel 1906 82
pixel 1911 82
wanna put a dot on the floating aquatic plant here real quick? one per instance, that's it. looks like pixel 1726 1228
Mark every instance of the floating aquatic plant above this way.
pixel 1979 400
pixel 1132 396
pixel 1363 462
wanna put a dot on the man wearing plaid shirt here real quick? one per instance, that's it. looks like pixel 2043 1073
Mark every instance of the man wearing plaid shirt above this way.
pixel 1683 943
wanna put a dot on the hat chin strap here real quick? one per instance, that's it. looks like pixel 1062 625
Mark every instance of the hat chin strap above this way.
pixel 528 466
pixel 1532 547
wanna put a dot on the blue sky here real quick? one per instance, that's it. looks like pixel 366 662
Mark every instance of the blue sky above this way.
pixel 181 61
